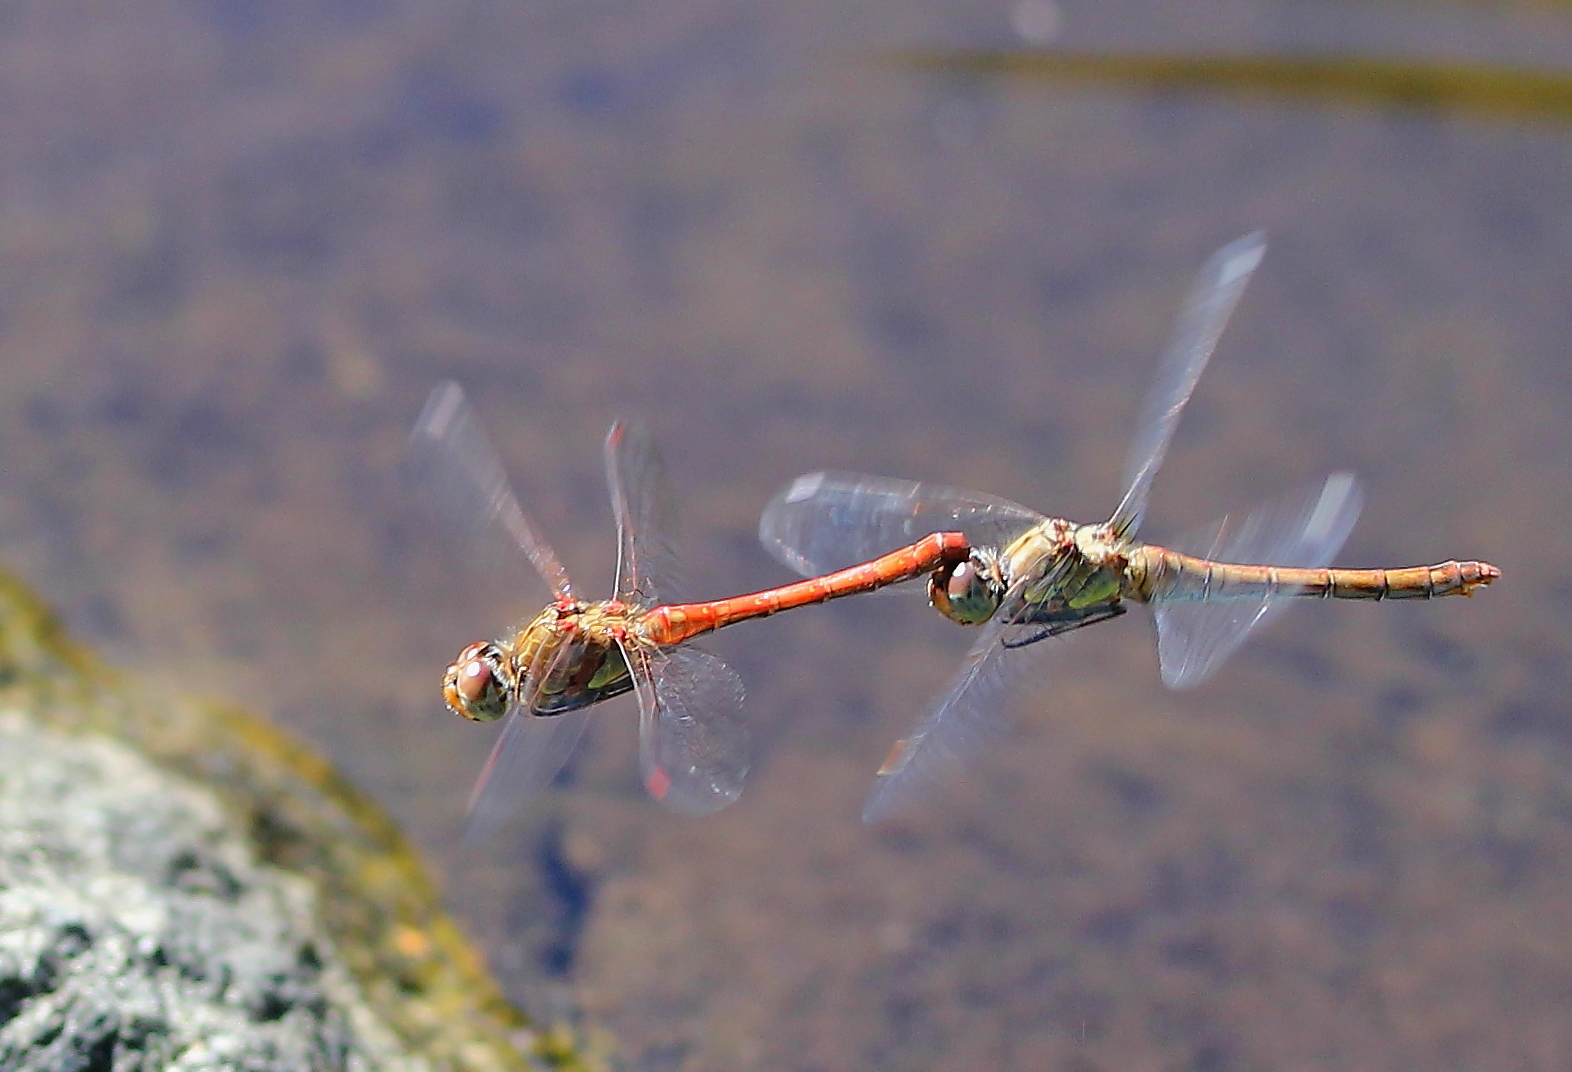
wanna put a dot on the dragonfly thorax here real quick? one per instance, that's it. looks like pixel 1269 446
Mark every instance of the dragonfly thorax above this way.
pixel 572 657
pixel 1063 572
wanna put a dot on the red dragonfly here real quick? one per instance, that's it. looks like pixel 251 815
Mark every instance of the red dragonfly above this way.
pixel 1030 577
pixel 575 653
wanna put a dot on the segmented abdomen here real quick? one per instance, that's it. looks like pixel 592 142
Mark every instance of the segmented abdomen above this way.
pixel 1158 573
pixel 674 623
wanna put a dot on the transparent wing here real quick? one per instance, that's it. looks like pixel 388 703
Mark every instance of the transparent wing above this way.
pixel 693 743
pixel 822 522
pixel 528 754
pixel 526 757
pixel 1217 289
pixel 647 568
pixel 1305 528
pixel 454 470
pixel 972 713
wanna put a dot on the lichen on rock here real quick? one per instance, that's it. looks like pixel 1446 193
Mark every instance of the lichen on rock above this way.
pixel 184 887
pixel 137 932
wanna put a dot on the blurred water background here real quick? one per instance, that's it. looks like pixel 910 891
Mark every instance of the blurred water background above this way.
pixel 241 239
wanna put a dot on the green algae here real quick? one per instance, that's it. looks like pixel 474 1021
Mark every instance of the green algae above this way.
pixel 375 898
pixel 1368 83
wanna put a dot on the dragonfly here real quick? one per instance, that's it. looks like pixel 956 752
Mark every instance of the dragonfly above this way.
pixel 543 675
pixel 1030 577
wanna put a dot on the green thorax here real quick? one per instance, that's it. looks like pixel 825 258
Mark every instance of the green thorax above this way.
pixel 1070 568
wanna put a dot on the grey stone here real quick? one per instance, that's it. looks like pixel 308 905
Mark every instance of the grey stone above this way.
pixel 138 930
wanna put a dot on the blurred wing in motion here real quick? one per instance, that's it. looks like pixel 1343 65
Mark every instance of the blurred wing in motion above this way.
pixel 647 567
pixel 526 757
pixel 1305 528
pixel 972 713
pixel 454 470
pixel 693 743
pixel 823 522
pixel 1217 289
pixel 531 749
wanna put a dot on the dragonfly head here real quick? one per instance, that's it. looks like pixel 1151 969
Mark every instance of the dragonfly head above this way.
pixel 475 686
pixel 968 591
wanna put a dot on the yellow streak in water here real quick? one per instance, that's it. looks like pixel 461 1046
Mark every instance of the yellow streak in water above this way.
pixel 1504 92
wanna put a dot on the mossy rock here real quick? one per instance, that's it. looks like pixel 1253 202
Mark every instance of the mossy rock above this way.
pixel 270 815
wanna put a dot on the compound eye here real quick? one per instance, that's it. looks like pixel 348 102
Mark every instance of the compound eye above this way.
pixel 473 686
pixel 962 594
pixel 962 580
pixel 475 680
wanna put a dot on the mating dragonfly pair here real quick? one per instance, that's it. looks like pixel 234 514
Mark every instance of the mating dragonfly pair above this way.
pixel 1019 575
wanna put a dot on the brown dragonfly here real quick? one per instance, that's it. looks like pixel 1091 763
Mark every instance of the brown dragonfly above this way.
pixel 1030 577
pixel 542 675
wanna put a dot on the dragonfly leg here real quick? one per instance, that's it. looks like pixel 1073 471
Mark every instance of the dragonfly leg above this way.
pixel 1065 621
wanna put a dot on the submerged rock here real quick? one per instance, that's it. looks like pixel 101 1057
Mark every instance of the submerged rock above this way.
pixel 183 887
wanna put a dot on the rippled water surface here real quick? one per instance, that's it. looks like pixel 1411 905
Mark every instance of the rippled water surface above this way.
pixel 239 241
